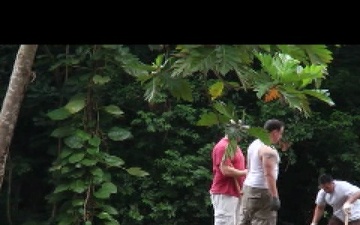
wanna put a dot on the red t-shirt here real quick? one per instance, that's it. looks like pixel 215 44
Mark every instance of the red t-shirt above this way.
pixel 224 184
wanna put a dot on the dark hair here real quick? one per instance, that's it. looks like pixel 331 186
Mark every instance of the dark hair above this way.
pixel 273 124
pixel 325 178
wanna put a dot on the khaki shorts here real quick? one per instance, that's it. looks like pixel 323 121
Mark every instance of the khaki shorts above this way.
pixel 255 207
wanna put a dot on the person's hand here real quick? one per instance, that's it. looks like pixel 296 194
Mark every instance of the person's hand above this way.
pixel 313 223
pixel 275 204
pixel 246 172
pixel 347 207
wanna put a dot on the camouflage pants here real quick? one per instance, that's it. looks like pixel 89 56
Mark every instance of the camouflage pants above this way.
pixel 255 207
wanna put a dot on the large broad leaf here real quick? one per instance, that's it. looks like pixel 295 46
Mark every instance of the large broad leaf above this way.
pixel 78 186
pixel 180 88
pixel 113 110
pixel 227 110
pixel 93 150
pixel 98 172
pixel 104 216
pixel 89 162
pixel 295 51
pixel 260 133
pixel 137 171
pixel 208 119
pixel 83 135
pixel 65 152
pixel 75 104
pixel 77 157
pixel 119 134
pixel 322 95
pixel 297 100
pixel 216 90
pixel 95 141
pixel 105 190
pixel 109 209
pixel 111 160
pixel 131 64
pixel 59 114
pixel 318 53
pixel 74 142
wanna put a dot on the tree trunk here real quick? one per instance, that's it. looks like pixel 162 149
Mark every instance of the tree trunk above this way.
pixel 19 81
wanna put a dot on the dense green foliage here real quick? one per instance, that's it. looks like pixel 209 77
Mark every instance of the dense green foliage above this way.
pixel 98 141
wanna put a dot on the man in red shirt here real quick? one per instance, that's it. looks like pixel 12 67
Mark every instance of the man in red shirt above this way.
pixel 228 177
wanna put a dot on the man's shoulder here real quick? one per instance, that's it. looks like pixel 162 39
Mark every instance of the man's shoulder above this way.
pixel 221 143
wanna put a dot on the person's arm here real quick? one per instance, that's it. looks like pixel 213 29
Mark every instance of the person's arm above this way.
pixel 352 198
pixel 269 161
pixel 230 171
pixel 318 213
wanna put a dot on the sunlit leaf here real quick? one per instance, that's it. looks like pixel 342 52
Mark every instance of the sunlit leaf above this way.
pixel 216 90
pixel 137 171
pixel 208 119
pixel 114 110
pixel 119 134
pixel 322 95
pixel 59 114
pixel 97 79
pixel 75 104
pixel 115 161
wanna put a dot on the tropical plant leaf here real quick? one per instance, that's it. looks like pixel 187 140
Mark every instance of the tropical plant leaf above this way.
pixel 119 134
pixel 114 110
pixel 260 133
pixel 75 104
pixel 318 53
pixel 137 171
pixel 74 142
pixel 105 190
pixel 113 161
pixel 227 110
pixel 76 157
pixel 78 186
pixel 59 114
pixel 216 90
pixel 131 64
pixel 321 94
pixel 101 80
pixel 95 141
pixel 179 88
pixel 208 119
